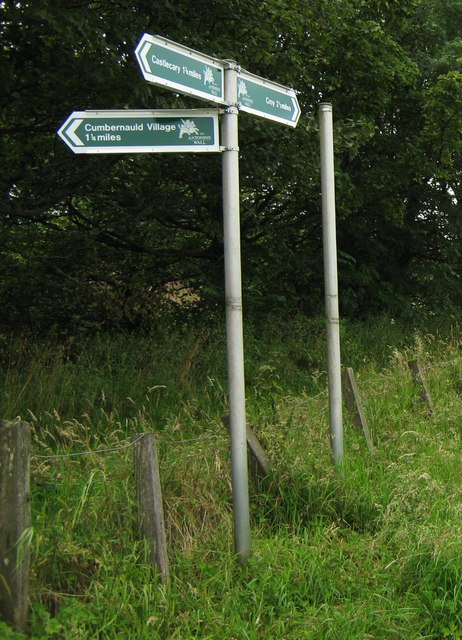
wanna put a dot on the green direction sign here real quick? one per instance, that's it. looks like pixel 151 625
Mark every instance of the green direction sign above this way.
pixel 143 131
pixel 267 99
pixel 168 64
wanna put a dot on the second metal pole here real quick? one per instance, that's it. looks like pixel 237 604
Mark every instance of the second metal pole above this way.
pixel 234 324
pixel 331 282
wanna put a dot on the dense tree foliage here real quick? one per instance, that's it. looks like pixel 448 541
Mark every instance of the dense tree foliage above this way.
pixel 93 241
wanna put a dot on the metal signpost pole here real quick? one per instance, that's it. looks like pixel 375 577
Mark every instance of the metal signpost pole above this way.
pixel 330 282
pixel 234 324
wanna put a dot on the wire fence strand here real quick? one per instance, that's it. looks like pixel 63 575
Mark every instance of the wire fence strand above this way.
pixel 89 453
pixel 123 447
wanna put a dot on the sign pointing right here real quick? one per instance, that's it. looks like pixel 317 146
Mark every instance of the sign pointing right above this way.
pixel 267 99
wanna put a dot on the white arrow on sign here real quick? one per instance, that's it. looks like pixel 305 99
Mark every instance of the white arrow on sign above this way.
pixel 141 55
pixel 70 132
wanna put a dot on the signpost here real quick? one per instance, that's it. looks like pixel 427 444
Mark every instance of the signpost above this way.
pixel 183 70
pixel 168 64
pixel 141 131
pixel 267 99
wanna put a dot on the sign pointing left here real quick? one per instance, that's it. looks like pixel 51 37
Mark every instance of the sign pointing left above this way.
pixel 169 64
pixel 145 131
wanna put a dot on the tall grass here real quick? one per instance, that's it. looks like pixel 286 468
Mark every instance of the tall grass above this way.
pixel 374 552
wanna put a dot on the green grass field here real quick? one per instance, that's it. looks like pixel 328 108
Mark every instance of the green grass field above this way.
pixel 373 551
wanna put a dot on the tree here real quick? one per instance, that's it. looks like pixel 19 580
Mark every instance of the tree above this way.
pixel 103 235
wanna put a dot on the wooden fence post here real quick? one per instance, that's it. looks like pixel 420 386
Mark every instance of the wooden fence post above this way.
pixel 259 466
pixel 354 404
pixel 15 521
pixel 149 499
pixel 419 379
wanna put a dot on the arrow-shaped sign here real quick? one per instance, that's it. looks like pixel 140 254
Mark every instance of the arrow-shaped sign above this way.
pixel 267 99
pixel 168 64
pixel 142 131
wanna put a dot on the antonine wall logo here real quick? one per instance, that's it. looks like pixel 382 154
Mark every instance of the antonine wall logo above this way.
pixel 188 127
